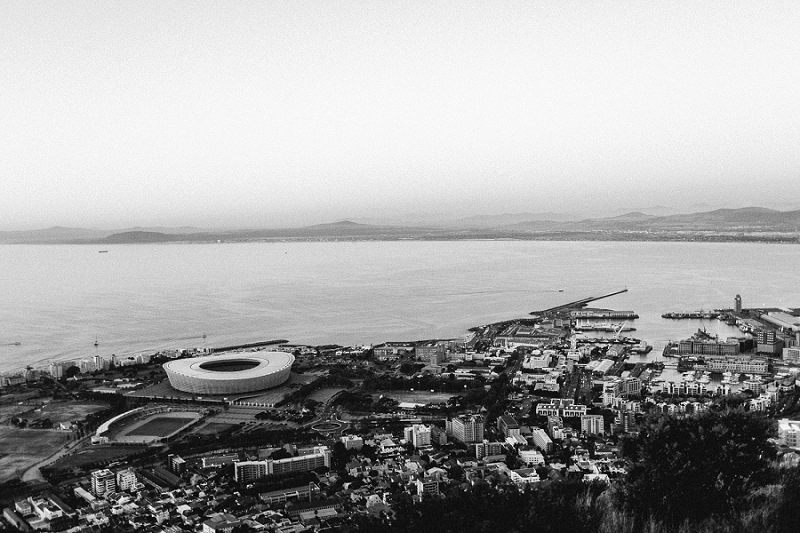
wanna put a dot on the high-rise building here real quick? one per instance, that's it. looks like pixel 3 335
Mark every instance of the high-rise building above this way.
pixel 593 424
pixel 427 486
pixel 418 435
pixel 126 479
pixel 768 342
pixel 246 471
pixel 57 370
pixel 177 464
pixel 486 448
pixel 100 362
pixel 541 440
pixel 466 428
pixel 508 426
pixel 737 304
pixel 789 432
pixel 103 482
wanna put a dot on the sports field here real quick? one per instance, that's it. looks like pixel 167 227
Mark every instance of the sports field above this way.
pixel 161 426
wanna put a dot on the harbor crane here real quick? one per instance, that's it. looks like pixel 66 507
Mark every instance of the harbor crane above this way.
pixel 619 330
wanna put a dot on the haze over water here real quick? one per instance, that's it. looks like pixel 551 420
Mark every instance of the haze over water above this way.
pixel 144 298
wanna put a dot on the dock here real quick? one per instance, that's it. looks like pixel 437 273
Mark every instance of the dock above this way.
pixel 579 304
pixel 692 315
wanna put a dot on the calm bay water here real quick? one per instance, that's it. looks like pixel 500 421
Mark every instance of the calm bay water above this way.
pixel 55 300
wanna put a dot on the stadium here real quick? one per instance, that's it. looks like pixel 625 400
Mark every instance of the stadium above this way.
pixel 229 374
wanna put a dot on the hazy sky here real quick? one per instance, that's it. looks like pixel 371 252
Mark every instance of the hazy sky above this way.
pixel 116 113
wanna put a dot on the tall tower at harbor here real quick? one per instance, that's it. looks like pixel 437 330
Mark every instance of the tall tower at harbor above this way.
pixel 737 304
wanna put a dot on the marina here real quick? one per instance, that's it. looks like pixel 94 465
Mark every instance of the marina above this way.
pixel 701 315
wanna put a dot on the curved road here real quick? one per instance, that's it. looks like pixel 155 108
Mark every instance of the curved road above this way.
pixel 33 473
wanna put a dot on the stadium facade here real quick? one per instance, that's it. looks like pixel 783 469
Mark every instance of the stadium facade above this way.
pixel 231 373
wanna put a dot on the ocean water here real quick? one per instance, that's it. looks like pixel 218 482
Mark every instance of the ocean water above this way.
pixel 55 300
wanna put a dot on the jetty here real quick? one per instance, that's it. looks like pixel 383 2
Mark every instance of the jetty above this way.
pixel 579 304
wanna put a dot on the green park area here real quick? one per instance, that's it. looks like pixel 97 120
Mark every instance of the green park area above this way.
pixel 22 448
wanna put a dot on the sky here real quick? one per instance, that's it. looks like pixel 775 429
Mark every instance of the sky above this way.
pixel 271 113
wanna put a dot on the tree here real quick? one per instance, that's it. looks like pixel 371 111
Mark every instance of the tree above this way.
pixel 697 466
pixel 71 372
pixel 408 368
pixel 339 455
pixel 280 454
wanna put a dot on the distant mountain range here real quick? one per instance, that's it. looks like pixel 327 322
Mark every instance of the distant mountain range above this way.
pixel 749 223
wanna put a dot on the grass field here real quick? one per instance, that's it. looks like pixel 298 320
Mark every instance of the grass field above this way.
pixel 22 448
pixel 416 396
pixel 212 428
pixel 55 411
pixel 160 426
pixel 323 395
pixel 92 454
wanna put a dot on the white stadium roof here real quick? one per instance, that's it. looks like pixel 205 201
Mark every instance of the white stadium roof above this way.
pixel 230 373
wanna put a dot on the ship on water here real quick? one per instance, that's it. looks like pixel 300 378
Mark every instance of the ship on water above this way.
pixel 603 326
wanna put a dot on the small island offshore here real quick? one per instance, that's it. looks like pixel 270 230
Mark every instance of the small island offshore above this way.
pixel 562 420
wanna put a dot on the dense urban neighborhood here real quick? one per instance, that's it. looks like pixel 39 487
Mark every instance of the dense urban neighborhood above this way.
pixel 555 419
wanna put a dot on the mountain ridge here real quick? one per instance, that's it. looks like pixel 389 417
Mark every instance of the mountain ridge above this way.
pixel 752 219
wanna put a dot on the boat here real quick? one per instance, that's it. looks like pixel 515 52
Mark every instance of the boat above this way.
pixel 603 326
pixel 103 252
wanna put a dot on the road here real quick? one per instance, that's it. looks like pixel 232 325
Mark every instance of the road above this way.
pixel 33 473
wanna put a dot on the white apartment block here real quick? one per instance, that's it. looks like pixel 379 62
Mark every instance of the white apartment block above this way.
pixel 789 432
pixel 126 479
pixel 541 440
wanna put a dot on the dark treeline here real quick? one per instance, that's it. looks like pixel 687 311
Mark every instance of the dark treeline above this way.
pixel 712 472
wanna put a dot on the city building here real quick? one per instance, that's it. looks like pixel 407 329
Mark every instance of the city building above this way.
pixel 352 442
pixel 530 456
pixel 741 365
pixel 100 362
pixel 57 370
pixel 427 486
pixel 789 432
pixel 177 464
pixel 768 342
pixel 593 424
pixel 220 523
pixel 316 457
pixel 391 351
pixel 301 493
pixel 486 448
pixel 438 435
pixel 126 479
pixel 466 428
pixel 536 360
pixel 702 343
pixel 103 482
pixel 435 352
pixel 541 440
pixel 508 426
pixel 247 471
pixel 561 407
pixel 791 356
pixel 418 435
pixel 737 304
